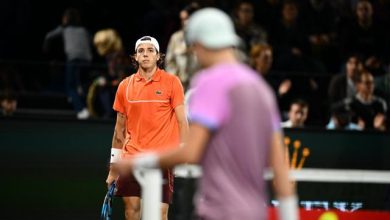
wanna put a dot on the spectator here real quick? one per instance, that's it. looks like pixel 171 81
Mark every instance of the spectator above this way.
pixel 369 110
pixel 289 39
pixel 8 101
pixel 364 35
pixel 77 48
pixel 382 85
pixel 109 45
pixel 246 28
pixel 341 119
pixel 291 54
pixel 321 20
pixel 179 60
pixel 342 85
pixel 297 115
pixel 261 59
pixel 10 87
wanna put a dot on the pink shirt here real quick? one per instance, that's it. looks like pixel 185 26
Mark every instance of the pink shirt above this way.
pixel 240 109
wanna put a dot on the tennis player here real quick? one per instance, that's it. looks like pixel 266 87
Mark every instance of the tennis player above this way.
pixel 150 117
pixel 235 131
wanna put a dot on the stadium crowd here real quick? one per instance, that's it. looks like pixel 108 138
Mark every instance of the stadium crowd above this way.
pixel 326 60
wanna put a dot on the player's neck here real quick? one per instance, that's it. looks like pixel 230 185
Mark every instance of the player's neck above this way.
pixel 223 56
pixel 147 73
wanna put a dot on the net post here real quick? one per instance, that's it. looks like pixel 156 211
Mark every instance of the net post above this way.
pixel 150 181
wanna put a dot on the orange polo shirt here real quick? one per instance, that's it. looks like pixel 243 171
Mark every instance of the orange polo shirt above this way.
pixel 149 107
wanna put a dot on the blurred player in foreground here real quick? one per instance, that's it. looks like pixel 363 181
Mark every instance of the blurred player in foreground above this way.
pixel 150 117
pixel 234 133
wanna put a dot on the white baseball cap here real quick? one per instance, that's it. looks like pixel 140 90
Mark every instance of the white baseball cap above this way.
pixel 211 27
pixel 147 40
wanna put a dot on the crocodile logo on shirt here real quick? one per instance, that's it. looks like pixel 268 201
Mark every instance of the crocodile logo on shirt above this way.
pixel 158 92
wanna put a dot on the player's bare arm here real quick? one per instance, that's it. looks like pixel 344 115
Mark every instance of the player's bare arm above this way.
pixel 118 138
pixel 183 122
pixel 284 189
pixel 118 141
pixel 191 152
pixel 279 165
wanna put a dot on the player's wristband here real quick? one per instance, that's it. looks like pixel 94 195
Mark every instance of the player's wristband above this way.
pixel 115 155
pixel 148 160
pixel 288 208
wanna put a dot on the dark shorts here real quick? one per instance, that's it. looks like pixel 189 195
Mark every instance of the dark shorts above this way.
pixel 128 186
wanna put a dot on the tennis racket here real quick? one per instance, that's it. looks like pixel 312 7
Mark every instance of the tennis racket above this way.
pixel 107 204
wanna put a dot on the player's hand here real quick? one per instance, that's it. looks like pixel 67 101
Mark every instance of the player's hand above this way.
pixel 112 176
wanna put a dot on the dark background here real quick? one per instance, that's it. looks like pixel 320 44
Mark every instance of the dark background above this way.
pixel 24 23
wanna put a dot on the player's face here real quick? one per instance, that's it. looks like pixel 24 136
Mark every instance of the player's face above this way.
pixel 147 56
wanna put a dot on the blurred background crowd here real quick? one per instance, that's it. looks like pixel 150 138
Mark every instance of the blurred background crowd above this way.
pixel 328 61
